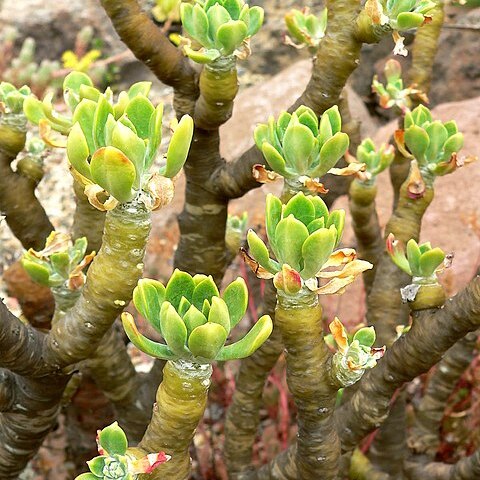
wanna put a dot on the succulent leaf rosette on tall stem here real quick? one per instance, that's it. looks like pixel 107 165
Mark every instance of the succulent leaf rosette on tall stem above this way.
pixel 432 145
pixel 306 28
pixel 112 146
pixel 195 321
pixel 219 28
pixel 301 149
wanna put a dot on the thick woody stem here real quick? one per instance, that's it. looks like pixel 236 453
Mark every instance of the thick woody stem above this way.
pixel 218 88
pixel 113 372
pixel 243 417
pixel 111 279
pixel 152 47
pixel 203 220
pixel 425 436
pixel 23 212
pixel 425 47
pixel 309 378
pixel 366 227
pixel 181 401
pixel 411 355
pixel 465 469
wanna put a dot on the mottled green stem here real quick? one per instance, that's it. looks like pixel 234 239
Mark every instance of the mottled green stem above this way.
pixel 243 417
pixel 425 47
pixel 203 220
pixel 23 212
pixel 389 448
pixel 87 220
pixel 385 310
pixel 366 226
pixel 113 372
pixel 465 469
pixel 425 436
pixel 310 380
pixel 181 401
pixel 218 88
pixel 433 332
pixel 111 279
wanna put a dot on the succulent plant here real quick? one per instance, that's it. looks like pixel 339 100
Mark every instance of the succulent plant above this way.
pixel 112 145
pixel 220 28
pixel 12 98
pixel 115 461
pixel 31 165
pixel 399 15
pixel 60 263
pixel 303 235
pixel 305 27
pixel 354 355
pixel 298 146
pixel 374 160
pixel 432 143
pixel 422 262
pixel 394 93
pixel 193 319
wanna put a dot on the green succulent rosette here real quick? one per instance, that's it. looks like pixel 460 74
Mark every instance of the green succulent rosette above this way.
pixel 394 93
pixel 194 319
pixel 219 28
pixel 433 144
pixel 399 16
pixel 12 98
pixel 112 146
pixel 235 232
pixel 115 462
pixel 422 262
pixel 60 263
pixel 305 28
pixel 299 147
pixel 355 353
pixel 303 236
pixel 372 159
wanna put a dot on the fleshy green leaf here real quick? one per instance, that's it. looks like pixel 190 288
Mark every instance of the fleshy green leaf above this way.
pixel 274 159
pixel 366 336
pixel 114 172
pixel 316 250
pixel 180 285
pixel 113 440
pixel 96 465
pixel 154 349
pixel 301 208
pixel 430 261
pixel 148 297
pixel 298 144
pixel 205 290
pixel 174 330
pixel 250 342
pixel 37 273
pixel 193 319
pixel 331 152
pixel 77 151
pixel 231 35
pixel 236 298
pixel 290 235
pixel 139 111
pixel 219 313
pixel 207 340
pixel 179 146
pixel 273 214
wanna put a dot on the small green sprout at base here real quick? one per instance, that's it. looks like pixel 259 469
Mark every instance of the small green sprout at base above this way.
pixel 354 355
pixel 115 461
pixel 60 263
pixel 193 319
pixel 235 232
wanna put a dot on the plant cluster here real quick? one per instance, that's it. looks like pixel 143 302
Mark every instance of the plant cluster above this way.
pixel 112 145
